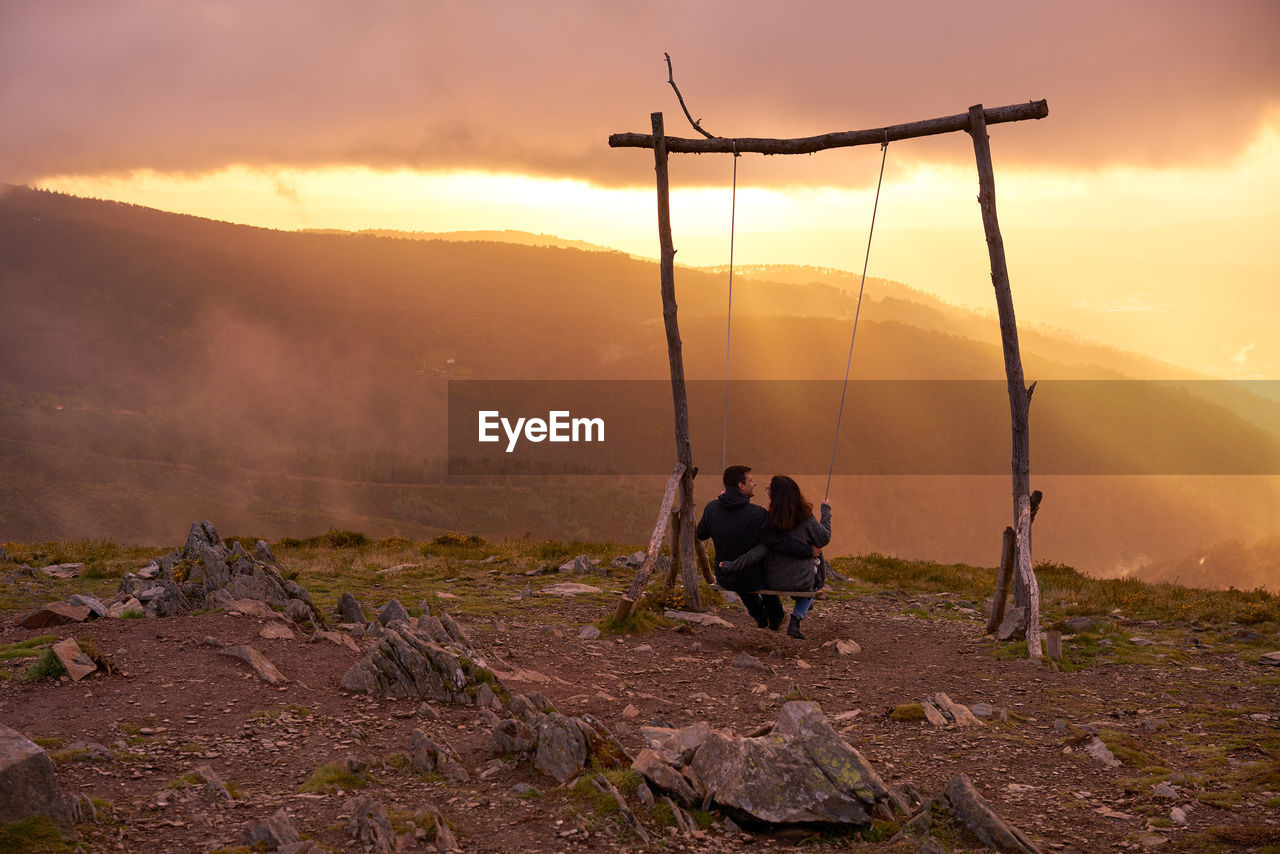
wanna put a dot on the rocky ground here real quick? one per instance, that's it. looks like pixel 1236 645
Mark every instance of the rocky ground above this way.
pixel 1190 720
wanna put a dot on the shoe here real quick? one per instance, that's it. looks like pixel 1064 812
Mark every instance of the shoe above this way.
pixel 775 625
pixel 764 624
pixel 793 628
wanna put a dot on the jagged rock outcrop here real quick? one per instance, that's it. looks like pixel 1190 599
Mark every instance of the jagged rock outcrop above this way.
pixel 423 658
pixel 187 578
pixel 801 772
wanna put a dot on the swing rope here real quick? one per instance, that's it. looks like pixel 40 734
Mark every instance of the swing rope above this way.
pixel 884 150
pixel 728 329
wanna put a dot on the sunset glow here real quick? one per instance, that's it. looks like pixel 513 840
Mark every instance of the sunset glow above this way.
pixel 1073 236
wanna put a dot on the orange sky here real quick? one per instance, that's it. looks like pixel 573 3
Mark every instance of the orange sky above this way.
pixel 1143 212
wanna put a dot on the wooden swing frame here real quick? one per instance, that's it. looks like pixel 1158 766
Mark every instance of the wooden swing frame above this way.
pixel 686 551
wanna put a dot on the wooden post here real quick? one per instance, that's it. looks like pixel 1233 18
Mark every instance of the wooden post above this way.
pixel 628 603
pixel 1019 394
pixel 704 562
pixel 1002 581
pixel 679 395
pixel 674 569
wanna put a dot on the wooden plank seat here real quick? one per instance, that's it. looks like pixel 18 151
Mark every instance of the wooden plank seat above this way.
pixel 821 593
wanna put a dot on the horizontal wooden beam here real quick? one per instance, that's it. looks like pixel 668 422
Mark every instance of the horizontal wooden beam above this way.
pixel 842 139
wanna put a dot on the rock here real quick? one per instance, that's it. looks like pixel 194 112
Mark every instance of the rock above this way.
pixel 983 710
pixel 214 788
pixel 933 714
pixel 1164 790
pixel 266 671
pixel 370 825
pixel 957 712
pixel 405 663
pixel 748 662
pixel 1139 641
pixel 349 610
pixel 271 833
pixel 187 579
pixel 27 783
pixel 698 618
pixel 630 712
pixel 644 647
pixel 1079 625
pixel 973 811
pixel 399 568
pixel 335 637
pixel 514 736
pixel 121 608
pixel 444 838
pixel 580 564
pixel 297 611
pixel 393 611
pixel 262 552
pixel 589 633
pixel 1271 658
pixel 248 607
pixel 562 750
pixel 847 647
pixel 93 603
pixel 1099 751
pixel 1178 816
pixel 425 754
pixel 1014 626
pixel 56 614
pixel 568 588
pixel 62 570
pixel 78 664
pixel 276 630
pixel 801 772
pixel 650 765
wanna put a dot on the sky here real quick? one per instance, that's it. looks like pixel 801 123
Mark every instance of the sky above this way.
pixel 1143 212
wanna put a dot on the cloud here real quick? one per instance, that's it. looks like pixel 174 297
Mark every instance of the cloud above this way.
pixel 537 87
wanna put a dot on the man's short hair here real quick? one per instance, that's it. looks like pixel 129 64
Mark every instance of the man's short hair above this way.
pixel 735 475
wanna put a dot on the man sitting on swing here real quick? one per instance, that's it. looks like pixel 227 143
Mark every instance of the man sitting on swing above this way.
pixel 734 525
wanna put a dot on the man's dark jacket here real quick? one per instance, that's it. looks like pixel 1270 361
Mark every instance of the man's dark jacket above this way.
pixel 734 524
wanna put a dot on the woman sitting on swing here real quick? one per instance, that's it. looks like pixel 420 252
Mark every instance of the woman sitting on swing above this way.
pixel 790 515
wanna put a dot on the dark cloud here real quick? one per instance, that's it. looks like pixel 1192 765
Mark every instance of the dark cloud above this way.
pixel 91 87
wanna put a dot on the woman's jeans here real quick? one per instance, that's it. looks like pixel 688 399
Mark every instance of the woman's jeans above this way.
pixel 802 607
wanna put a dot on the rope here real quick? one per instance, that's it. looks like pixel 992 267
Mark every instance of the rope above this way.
pixel 728 329
pixel 884 150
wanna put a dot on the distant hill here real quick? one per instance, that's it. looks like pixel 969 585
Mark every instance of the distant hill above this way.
pixel 160 367
pixel 519 238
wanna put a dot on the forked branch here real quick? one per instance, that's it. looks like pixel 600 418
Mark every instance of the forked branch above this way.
pixel 671 78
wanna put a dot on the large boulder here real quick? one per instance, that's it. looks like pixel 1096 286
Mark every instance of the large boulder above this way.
pixel 188 578
pixel 801 772
pixel 27 784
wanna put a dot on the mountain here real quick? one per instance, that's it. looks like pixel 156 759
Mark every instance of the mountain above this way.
pixel 160 367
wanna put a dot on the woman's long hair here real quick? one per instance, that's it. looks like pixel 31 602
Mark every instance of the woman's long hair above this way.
pixel 787 507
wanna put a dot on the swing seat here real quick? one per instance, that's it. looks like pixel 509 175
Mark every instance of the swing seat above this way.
pixel 820 593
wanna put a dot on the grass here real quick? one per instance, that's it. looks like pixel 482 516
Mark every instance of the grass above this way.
pixel 29 648
pixel 47 666
pixel 331 777
pixel 907 712
pixel 35 835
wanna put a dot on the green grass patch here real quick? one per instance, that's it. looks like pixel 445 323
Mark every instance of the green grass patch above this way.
pixel 29 648
pixel 332 776
pixel 907 712
pixel 36 835
pixel 637 622
pixel 46 666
